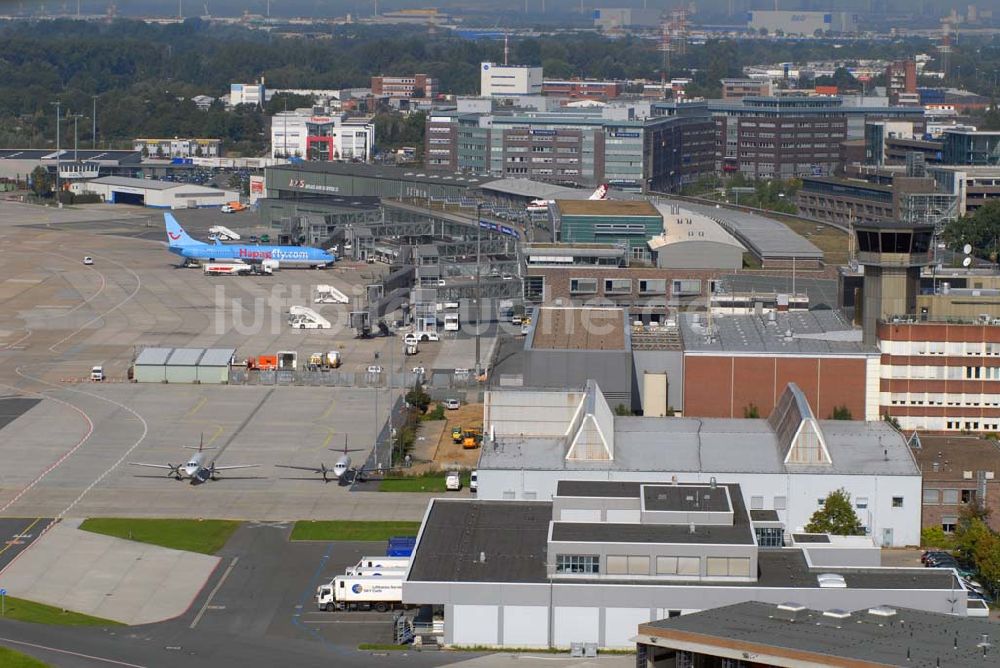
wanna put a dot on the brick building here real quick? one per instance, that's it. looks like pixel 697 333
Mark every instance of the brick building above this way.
pixel 605 90
pixel 413 86
pixel 900 80
pixel 958 471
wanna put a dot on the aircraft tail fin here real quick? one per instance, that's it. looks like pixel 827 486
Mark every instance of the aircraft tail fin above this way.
pixel 601 192
pixel 176 236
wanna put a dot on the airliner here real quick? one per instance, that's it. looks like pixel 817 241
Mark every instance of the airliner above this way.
pixel 180 243
pixel 542 205
pixel 198 469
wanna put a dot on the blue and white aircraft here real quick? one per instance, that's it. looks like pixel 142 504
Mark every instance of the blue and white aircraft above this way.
pixel 180 243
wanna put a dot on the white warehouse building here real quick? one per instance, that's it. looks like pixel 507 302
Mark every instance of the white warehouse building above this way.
pixel 156 194
pixel 787 463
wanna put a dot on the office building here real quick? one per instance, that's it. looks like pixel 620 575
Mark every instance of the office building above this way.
pixel 628 222
pixel 971 187
pixel 247 93
pixel 585 88
pixel 416 86
pixel 959 472
pixel 325 138
pixel 636 146
pixel 737 89
pixel 502 80
pixel 971 147
pixel 178 148
pixel 901 80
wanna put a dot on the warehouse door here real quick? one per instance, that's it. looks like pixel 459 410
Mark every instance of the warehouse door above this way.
pixel 118 197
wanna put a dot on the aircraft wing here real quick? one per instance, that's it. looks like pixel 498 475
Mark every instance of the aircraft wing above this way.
pixel 314 469
pixel 153 466
pixel 238 466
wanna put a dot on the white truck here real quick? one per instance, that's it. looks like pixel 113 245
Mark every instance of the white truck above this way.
pixel 227 268
pixel 365 592
pixel 380 562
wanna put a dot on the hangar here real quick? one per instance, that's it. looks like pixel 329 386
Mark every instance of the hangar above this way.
pixel 156 194
pixel 183 365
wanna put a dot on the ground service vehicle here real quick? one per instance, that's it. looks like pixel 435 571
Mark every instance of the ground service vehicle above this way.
pixel 97 373
pixel 88 260
pixel 456 434
pixel 451 322
pixel 287 359
pixel 227 268
pixel 380 563
pixel 472 438
pixel 410 346
pixel 351 592
pixel 263 363
pixel 324 361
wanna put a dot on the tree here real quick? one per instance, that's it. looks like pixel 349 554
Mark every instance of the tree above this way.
pixel 893 422
pixel 981 230
pixel 418 398
pixel 836 517
pixel 841 413
pixel 41 181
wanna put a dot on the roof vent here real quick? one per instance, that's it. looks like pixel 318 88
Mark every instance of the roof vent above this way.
pixel 691 528
pixel 882 611
pixel 837 613
pixel 482 557
pixel 831 581
pixel 791 607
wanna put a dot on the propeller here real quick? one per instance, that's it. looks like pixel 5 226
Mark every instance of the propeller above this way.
pixel 324 471
pixel 174 472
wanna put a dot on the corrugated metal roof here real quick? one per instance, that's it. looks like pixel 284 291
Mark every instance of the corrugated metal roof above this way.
pixel 185 356
pixel 153 356
pixel 217 357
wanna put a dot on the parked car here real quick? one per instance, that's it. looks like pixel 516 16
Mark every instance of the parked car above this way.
pixel 452 404
pixel 453 481
pixel 474 482
pixel 88 260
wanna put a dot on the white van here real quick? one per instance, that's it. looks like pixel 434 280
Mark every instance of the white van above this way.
pixel 97 373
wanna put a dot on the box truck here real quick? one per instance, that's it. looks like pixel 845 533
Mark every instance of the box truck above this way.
pixel 349 592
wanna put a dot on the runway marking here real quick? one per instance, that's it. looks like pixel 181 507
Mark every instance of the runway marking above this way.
pixel 38 478
pixel 57 650
pixel 218 432
pixel 100 478
pixel 328 410
pixel 215 590
pixel 197 408
pixel 128 298
pixel 21 535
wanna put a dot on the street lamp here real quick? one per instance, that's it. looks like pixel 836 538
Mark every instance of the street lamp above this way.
pixel 58 106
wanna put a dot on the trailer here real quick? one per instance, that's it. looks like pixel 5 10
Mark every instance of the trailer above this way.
pixel 324 361
pixel 379 566
pixel 350 592
pixel 287 360
pixel 227 268
pixel 451 322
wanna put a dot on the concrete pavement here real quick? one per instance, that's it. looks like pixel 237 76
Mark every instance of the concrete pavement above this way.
pixel 112 578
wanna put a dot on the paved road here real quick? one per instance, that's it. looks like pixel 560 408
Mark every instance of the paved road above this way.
pixel 16 534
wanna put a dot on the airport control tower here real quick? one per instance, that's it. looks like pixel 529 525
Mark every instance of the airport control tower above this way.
pixel 892 254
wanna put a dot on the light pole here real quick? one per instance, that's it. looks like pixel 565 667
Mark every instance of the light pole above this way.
pixel 58 105
pixel 76 134
pixel 479 237
pixel 93 130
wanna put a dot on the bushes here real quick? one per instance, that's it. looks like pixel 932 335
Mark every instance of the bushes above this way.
pixel 936 537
